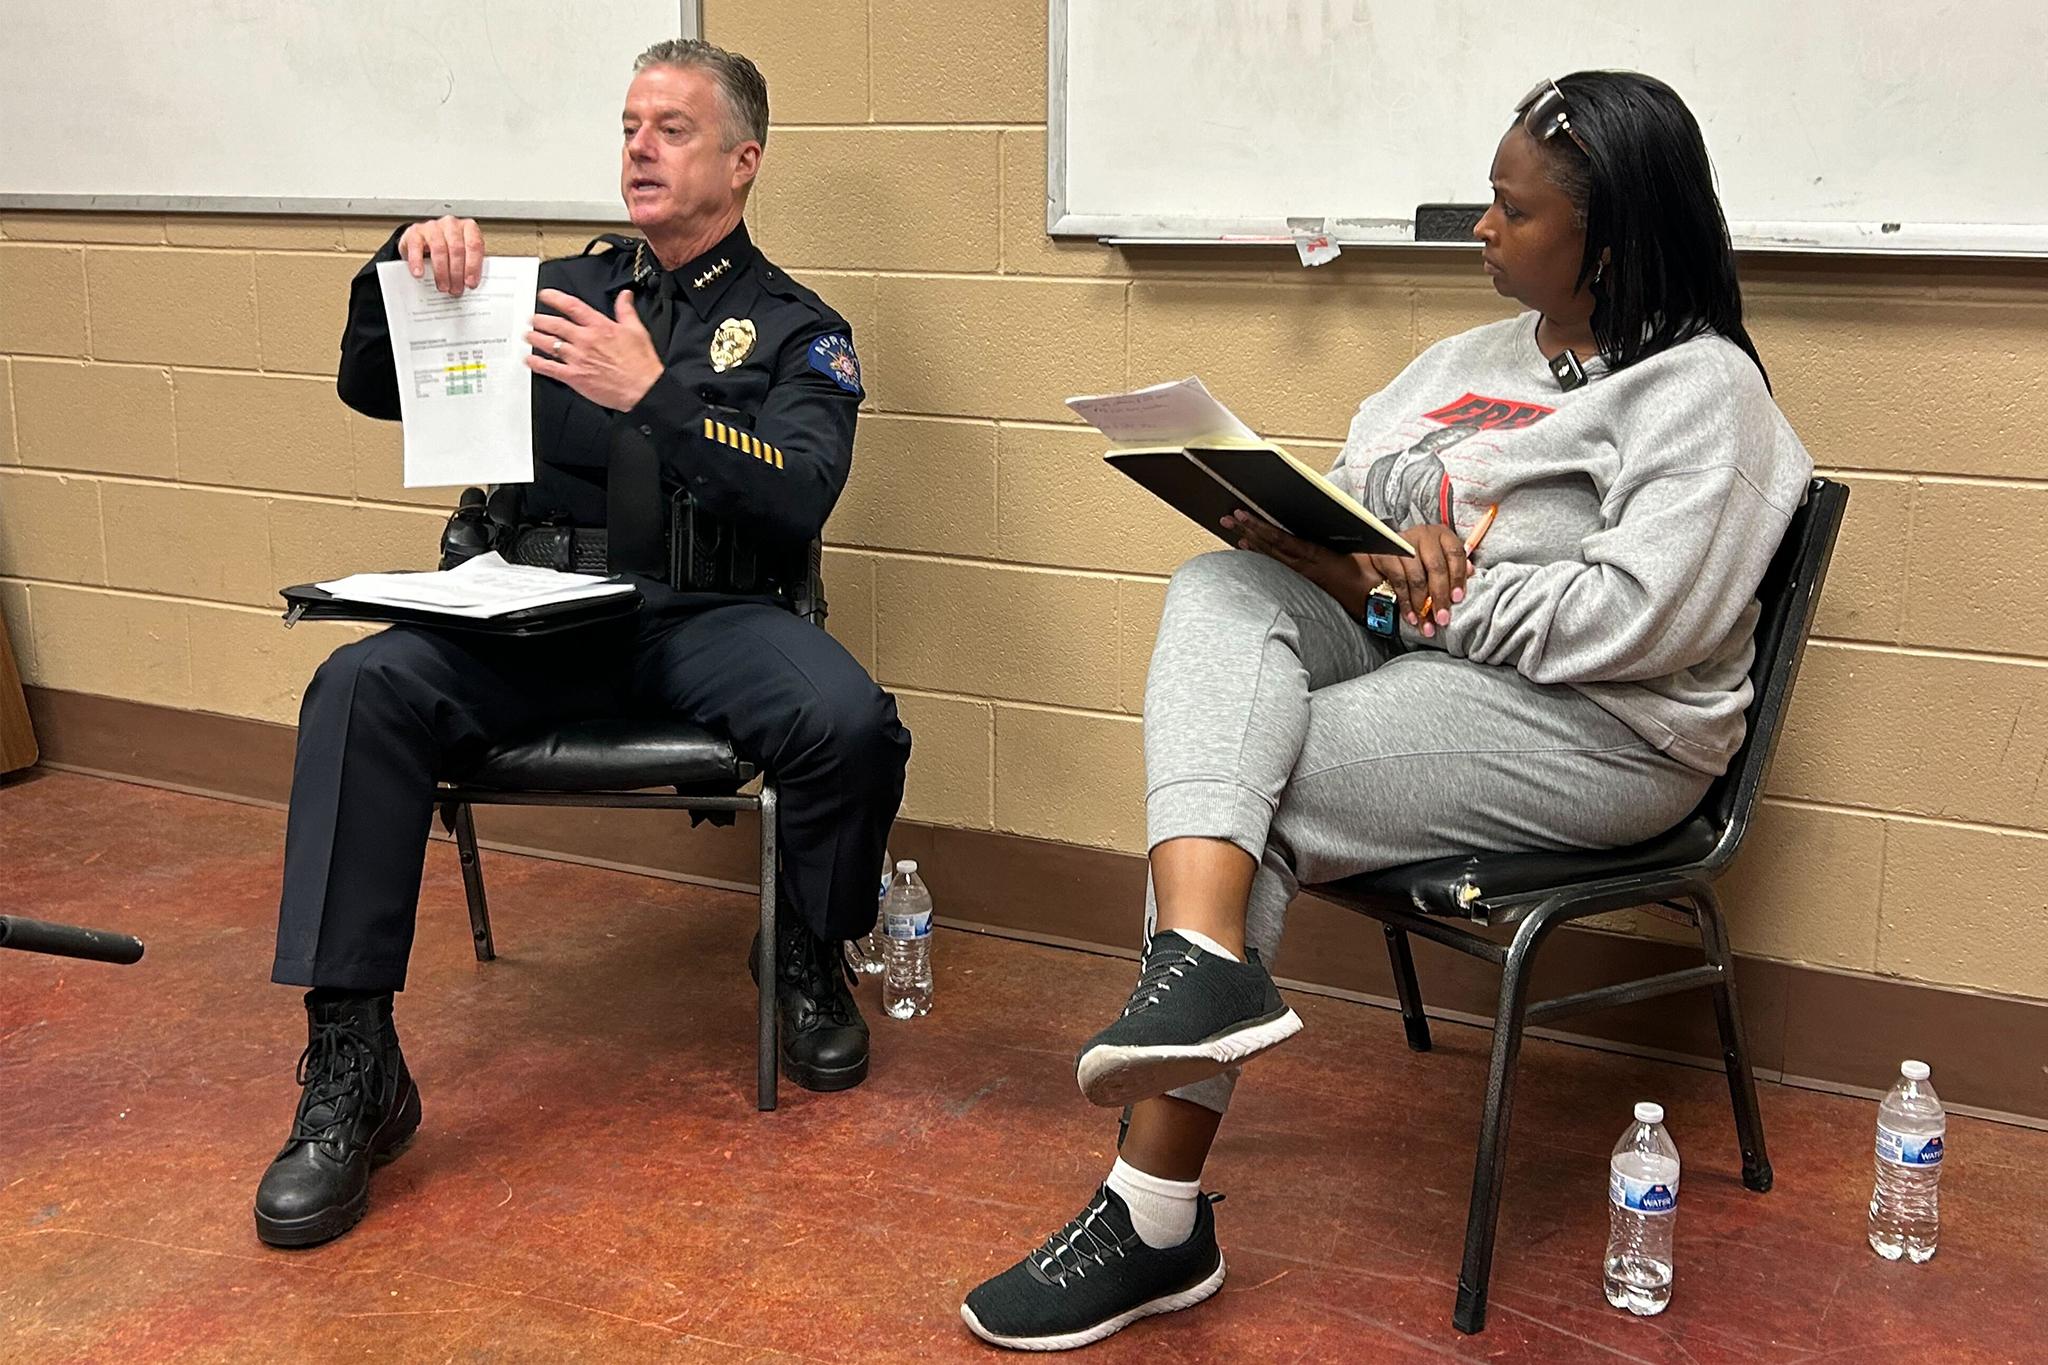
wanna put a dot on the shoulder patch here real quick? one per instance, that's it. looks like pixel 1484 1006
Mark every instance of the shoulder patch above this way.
pixel 832 356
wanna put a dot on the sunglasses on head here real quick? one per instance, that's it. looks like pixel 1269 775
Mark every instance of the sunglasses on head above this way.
pixel 1545 115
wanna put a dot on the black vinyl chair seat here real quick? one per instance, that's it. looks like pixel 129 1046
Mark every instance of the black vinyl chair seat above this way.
pixel 614 754
pixel 1492 888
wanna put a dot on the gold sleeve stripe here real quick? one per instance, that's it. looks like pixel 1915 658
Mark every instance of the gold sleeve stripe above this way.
pixel 743 441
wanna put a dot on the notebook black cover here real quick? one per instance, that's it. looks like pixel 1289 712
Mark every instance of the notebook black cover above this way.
pixel 307 602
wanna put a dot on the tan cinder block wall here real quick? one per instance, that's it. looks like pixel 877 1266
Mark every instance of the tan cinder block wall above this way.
pixel 173 451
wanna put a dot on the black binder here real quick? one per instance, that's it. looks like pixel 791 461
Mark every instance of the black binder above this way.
pixel 308 602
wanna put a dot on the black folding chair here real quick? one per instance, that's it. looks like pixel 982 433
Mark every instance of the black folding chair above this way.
pixel 1536 892
pixel 626 762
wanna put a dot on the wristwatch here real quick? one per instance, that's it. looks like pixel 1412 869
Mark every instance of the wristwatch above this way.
pixel 1382 613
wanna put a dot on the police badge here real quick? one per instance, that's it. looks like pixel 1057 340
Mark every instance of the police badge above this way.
pixel 732 343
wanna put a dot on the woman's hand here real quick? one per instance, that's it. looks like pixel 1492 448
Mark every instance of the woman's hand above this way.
pixel 1344 577
pixel 609 360
pixel 455 248
pixel 1436 574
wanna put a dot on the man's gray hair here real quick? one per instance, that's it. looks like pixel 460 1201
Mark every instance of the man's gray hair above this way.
pixel 740 84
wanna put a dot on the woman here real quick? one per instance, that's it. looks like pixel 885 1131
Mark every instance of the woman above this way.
pixel 1577 682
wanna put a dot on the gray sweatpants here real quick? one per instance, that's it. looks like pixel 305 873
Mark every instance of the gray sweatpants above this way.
pixel 1274 720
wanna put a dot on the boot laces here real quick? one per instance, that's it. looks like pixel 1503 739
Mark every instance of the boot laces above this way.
pixel 343 1070
pixel 1085 1242
pixel 820 970
pixel 1165 963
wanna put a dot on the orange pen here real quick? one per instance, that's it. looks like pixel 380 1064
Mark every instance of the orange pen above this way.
pixel 1471 544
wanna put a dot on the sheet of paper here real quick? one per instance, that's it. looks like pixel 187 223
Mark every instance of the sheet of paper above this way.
pixel 1182 412
pixel 1312 243
pixel 482 587
pixel 464 392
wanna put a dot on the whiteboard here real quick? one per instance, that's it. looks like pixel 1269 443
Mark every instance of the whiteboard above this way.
pixel 1908 126
pixel 505 108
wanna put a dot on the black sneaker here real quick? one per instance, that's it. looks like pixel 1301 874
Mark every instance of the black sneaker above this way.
pixel 1092 1278
pixel 1193 1015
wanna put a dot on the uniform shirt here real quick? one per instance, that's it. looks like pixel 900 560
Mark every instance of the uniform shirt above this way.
pixel 765 442
pixel 1638 513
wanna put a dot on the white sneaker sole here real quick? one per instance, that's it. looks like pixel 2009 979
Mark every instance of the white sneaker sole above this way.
pixel 1115 1076
pixel 1171 1303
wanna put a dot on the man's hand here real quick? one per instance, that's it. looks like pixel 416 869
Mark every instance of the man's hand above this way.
pixel 1436 573
pixel 609 360
pixel 1342 576
pixel 453 246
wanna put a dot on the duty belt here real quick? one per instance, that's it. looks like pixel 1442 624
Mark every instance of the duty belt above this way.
pixel 703 554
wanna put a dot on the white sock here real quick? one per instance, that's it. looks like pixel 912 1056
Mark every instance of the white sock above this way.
pixel 1207 944
pixel 1162 1211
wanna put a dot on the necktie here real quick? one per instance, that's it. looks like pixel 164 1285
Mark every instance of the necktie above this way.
pixel 633 505
pixel 654 299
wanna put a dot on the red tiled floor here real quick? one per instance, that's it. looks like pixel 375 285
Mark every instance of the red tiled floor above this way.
pixel 592 1180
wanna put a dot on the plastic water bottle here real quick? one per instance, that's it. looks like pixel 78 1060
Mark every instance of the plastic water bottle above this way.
pixel 907 944
pixel 864 954
pixel 1905 1207
pixel 1642 1199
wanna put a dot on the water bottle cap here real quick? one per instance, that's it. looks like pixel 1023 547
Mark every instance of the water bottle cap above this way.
pixel 1915 1071
pixel 1647 1112
pixel 908 865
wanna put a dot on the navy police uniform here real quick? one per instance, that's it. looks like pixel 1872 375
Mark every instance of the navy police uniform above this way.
pixel 753 418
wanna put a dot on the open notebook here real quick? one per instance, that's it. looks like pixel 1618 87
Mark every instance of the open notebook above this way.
pixel 1191 452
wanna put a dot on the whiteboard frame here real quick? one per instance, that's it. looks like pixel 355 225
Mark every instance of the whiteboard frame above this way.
pixel 689 14
pixel 1976 240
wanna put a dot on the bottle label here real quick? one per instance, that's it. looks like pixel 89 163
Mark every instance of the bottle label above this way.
pixel 1904 1149
pixel 1643 1196
pixel 907 926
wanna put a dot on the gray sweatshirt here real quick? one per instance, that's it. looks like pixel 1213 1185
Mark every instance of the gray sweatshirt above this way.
pixel 1637 516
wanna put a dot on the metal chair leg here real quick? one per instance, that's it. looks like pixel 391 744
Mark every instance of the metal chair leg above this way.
pixel 1749 1120
pixel 766 1063
pixel 1491 1164
pixel 1412 1017
pixel 473 883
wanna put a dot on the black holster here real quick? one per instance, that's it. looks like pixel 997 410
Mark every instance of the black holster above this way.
pixel 481 523
pixel 709 553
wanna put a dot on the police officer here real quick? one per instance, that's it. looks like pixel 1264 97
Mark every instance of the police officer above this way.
pixel 673 370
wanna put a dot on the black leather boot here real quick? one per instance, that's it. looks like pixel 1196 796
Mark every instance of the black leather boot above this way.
pixel 359 1109
pixel 822 1037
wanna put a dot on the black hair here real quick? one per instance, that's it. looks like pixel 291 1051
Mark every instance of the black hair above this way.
pixel 1645 190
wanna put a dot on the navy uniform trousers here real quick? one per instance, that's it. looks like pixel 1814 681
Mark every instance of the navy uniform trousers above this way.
pixel 386 716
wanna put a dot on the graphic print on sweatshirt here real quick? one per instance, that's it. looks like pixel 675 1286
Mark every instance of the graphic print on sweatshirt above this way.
pixel 1412 484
